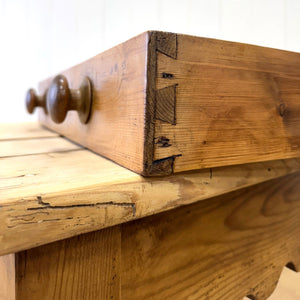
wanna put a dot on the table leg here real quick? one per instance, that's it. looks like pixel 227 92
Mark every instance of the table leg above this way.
pixel 82 267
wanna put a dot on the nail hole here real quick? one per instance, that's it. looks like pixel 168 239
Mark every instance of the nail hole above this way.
pixel 167 75
pixel 291 266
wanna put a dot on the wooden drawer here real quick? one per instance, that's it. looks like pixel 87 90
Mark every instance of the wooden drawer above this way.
pixel 165 103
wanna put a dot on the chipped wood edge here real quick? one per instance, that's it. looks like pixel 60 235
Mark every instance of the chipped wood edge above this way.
pixel 150 104
pixel 43 218
pixel 166 43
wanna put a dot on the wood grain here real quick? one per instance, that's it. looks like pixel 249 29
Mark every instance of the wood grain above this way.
pixel 53 196
pixel 116 126
pixel 225 248
pixel 7 277
pixel 235 103
pixel 217 103
pixel 24 130
pixel 12 148
pixel 83 267
pixel 166 105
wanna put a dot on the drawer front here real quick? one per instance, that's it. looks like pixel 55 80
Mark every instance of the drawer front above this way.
pixel 115 128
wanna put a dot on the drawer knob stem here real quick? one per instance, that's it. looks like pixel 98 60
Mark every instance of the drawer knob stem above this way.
pixel 61 99
pixel 33 101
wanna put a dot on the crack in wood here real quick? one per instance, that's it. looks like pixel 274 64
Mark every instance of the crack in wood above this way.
pixel 46 205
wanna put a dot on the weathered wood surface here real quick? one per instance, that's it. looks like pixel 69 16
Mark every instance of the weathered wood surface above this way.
pixel 51 196
pixel 235 103
pixel 12 131
pixel 84 267
pixel 227 247
pixel 12 148
pixel 116 125
pixel 166 103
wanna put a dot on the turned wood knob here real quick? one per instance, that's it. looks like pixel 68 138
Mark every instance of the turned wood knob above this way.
pixel 61 99
pixel 33 101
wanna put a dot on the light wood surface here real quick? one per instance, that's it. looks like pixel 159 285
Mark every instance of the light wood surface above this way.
pixel 84 267
pixel 235 103
pixel 226 247
pixel 7 277
pixel 12 131
pixel 12 148
pixel 116 125
pixel 51 196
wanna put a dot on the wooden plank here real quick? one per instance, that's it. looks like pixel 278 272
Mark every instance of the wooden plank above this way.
pixel 35 146
pixel 235 103
pixel 51 173
pixel 13 131
pixel 237 55
pixel 116 125
pixel 7 277
pixel 49 197
pixel 229 247
pixel 83 267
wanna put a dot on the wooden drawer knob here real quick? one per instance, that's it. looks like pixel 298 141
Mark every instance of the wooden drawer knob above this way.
pixel 61 99
pixel 33 101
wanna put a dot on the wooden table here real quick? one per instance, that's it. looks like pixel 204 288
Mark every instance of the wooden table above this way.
pixel 74 225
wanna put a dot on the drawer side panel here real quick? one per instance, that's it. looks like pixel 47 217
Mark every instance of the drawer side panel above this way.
pixel 235 104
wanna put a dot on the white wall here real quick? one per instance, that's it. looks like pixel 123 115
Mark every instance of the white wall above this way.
pixel 42 37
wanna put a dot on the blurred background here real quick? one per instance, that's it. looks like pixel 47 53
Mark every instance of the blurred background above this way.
pixel 39 38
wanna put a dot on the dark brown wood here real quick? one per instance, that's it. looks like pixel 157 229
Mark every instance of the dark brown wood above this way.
pixel 83 267
pixel 223 248
pixel 60 99
pixel 166 43
pixel 32 101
